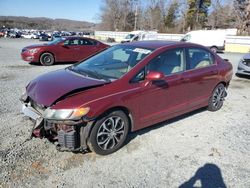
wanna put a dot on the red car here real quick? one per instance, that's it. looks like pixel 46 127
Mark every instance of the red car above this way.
pixel 95 104
pixel 70 49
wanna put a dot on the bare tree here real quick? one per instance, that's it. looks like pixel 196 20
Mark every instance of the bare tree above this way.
pixel 222 15
pixel 242 13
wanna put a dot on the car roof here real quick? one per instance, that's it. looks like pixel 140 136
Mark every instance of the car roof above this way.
pixel 154 44
pixel 75 37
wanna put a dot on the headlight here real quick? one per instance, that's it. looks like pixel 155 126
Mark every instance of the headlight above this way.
pixel 24 96
pixel 65 113
pixel 244 61
pixel 34 50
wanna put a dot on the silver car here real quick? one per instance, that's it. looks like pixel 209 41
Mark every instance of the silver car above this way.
pixel 244 65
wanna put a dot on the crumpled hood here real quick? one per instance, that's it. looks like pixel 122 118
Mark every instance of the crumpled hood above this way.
pixel 47 88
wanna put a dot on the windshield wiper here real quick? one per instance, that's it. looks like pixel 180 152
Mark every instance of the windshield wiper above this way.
pixel 95 74
pixel 90 73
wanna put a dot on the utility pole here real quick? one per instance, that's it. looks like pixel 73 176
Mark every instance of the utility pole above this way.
pixel 136 14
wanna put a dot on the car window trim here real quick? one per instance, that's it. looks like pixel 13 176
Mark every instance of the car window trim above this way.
pixel 188 59
pixel 166 76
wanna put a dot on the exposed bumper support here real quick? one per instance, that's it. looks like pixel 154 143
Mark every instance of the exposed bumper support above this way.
pixel 75 140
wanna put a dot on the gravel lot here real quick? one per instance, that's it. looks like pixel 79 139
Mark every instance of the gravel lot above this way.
pixel 200 149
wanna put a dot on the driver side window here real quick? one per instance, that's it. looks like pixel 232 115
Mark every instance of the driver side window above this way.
pixel 169 62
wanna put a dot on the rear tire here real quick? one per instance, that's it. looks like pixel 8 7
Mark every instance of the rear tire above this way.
pixel 217 98
pixel 109 133
pixel 47 59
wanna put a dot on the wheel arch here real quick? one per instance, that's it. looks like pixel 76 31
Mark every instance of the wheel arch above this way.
pixel 221 82
pixel 47 52
pixel 123 109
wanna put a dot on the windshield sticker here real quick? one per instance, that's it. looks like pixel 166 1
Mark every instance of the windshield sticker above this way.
pixel 141 50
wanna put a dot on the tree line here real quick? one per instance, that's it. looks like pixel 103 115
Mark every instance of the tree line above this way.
pixel 21 22
pixel 178 16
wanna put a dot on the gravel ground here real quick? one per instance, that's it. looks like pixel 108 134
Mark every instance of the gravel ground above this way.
pixel 200 149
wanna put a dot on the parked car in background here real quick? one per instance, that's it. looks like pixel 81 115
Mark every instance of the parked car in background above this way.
pixel 13 34
pixel 244 66
pixel 44 37
pixel 96 103
pixel 213 39
pixel 30 36
pixel 2 33
pixel 140 35
pixel 68 49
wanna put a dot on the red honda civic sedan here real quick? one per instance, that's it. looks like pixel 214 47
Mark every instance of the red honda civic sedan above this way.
pixel 94 104
pixel 68 49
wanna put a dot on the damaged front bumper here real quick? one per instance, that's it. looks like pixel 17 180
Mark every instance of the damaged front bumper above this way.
pixel 68 135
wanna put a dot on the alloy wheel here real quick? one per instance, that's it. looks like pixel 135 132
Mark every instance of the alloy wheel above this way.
pixel 110 133
pixel 218 97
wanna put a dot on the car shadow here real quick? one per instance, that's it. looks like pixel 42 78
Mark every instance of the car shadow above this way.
pixel 133 135
pixel 207 176
pixel 56 63
pixel 242 76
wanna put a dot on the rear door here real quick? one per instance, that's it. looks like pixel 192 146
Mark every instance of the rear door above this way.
pixel 202 75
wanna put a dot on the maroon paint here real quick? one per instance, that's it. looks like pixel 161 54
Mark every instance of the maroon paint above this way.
pixel 64 53
pixel 148 103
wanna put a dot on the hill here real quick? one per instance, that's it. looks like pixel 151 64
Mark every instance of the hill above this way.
pixel 44 23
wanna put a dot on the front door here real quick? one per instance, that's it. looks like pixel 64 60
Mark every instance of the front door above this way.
pixel 87 47
pixel 70 51
pixel 163 99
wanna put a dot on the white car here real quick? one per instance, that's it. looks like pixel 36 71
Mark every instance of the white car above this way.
pixel 244 66
pixel 30 36
pixel 213 39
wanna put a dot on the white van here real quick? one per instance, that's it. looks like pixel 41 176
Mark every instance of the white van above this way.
pixel 140 35
pixel 213 39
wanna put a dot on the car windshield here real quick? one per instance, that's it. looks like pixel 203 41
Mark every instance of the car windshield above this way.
pixel 112 63
pixel 57 40
pixel 129 36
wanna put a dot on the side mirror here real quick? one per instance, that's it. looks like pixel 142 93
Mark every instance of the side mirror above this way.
pixel 154 76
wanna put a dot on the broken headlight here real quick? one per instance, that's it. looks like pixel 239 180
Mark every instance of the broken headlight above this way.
pixel 62 114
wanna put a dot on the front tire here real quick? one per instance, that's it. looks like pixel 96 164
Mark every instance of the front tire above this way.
pixel 217 98
pixel 109 133
pixel 47 59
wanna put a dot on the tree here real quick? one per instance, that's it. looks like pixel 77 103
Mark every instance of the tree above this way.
pixel 242 12
pixel 197 13
pixel 222 15
pixel 171 16
pixel 118 15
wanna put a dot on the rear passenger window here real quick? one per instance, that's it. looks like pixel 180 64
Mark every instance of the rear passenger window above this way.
pixel 87 42
pixel 199 58
pixel 71 42
pixel 169 62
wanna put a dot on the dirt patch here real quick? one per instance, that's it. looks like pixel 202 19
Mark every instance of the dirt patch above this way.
pixel 19 66
pixel 7 77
